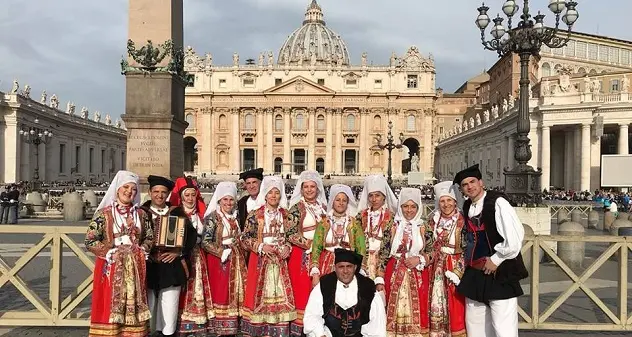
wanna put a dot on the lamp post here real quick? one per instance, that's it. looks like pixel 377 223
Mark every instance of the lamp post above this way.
pixel 522 183
pixel 36 136
pixel 390 146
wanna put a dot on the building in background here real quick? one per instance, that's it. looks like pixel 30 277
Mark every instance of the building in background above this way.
pixel 310 107
pixel 84 146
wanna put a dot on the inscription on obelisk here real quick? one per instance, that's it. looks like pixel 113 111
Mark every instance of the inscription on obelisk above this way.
pixel 154 97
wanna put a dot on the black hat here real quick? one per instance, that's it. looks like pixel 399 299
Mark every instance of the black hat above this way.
pixel 471 171
pixel 344 255
pixel 256 173
pixel 159 181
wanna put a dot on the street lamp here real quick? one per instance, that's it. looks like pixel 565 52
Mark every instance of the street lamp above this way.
pixel 36 136
pixel 390 146
pixel 522 183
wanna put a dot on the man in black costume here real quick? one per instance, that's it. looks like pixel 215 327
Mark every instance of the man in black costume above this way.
pixel 494 266
pixel 252 181
pixel 344 303
pixel 167 268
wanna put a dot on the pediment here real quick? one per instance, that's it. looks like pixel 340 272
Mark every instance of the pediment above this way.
pixel 248 74
pixel 351 76
pixel 299 85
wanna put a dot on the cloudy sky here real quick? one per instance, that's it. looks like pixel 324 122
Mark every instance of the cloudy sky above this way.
pixel 73 48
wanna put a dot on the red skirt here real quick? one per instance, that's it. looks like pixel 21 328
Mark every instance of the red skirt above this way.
pixel 265 315
pixel 326 263
pixel 196 304
pixel 299 269
pixel 102 305
pixel 409 288
pixel 446 306
pixel 228 289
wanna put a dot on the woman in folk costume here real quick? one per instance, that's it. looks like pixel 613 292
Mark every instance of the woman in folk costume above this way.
pixel 308 206
pixel 447 307
pixel 339 229
pixel 225 258
pixel 269 304
pixel 121 236
pixel 196 304
pixel 402 264
pixel 378 205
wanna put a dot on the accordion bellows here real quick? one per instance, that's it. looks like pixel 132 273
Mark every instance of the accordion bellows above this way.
pixel 170 232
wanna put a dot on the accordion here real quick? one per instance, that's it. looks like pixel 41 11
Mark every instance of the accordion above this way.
pixel 170 232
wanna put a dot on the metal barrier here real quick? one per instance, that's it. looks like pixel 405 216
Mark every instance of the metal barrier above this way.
pixel 554 208
pixel 60 311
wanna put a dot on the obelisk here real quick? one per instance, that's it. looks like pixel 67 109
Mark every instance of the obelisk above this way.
pixel 154 93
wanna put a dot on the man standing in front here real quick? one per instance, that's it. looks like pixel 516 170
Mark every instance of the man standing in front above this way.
pixel 167 268
pixel 344 303
pixel 491 282
pixel 252 181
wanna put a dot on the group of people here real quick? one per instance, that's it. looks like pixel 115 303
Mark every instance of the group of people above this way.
pixel 9 202
pixel 312 265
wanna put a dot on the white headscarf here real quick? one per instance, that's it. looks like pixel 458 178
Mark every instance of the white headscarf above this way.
pixel 121 178
pixel 447 189
pixel 267 184
pixel 405 195
pixel 410 194
pixel 308 175
pixel 377 183
pixel 223 189
pixel 334 190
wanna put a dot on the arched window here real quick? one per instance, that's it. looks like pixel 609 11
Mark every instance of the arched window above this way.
pixel 278 165
pixel 557 69
pixel 593 72
pixel 546 70
pixel 222 122
pixel 377 122
pixel 320 165
pixel 278 123
pixel 410 123
pixel 320 123
pixel 300 122
pixel 351 121
pixel 249 122
pixel 191 120
pixel 581 70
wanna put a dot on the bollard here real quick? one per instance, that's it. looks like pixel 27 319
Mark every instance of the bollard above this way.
pixel 73 207
pixel 526 258
pixel 562 216
pixel 91 198
pixel 576 216
pixel 622 229
pixel 35 200
pixel 608 219
pixel 572 253
pixel 623 216
pixel 614 228
pixel 593 219
pixel 625 231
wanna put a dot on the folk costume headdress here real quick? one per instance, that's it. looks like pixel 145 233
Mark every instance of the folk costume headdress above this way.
pixel 447 189
pixel 377 183
pixel 309 175
pixel 121 178
pixel 223 189
pixel 182 184
pixel 267 184
pixel 352 205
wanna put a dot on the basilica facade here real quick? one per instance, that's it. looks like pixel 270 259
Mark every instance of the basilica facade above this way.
pixel 310 107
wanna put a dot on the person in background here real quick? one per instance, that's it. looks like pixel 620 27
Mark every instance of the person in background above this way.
pixel 252 183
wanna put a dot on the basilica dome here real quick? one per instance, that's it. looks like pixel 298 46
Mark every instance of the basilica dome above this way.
pixel 313 42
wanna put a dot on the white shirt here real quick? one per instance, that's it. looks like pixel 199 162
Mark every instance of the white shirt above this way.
pixel 508 226
pixel 314 323
pixel 251 204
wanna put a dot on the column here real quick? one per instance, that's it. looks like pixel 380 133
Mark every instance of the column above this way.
pixel 568 159
pixel 585 155
pixel 311 139
pixel 425 155
pixel 42 162
pixel 363 136
pixel 595 163
pixel 234 146
pixel 338 162
pixel 269 129
pixel 623 139
pixel 329 157
pixel 510 152
pixel 287 139
pixel 545 160
pixel 577 162
pixel 260 134
pixel 208 149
